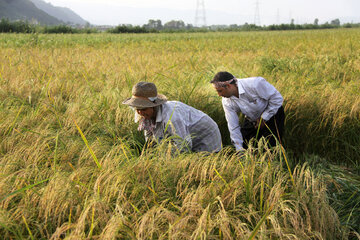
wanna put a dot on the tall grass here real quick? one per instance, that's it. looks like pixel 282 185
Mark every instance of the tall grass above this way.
pixel 74 166
pixel 157 195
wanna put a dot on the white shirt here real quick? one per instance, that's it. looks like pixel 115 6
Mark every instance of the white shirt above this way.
pixel 192 129
pixel 257 98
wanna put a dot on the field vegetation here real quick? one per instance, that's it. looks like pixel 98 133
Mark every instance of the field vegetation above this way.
pixel 74 166
pixel 155 26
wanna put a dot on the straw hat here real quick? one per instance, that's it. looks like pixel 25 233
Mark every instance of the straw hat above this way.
pixel 144 95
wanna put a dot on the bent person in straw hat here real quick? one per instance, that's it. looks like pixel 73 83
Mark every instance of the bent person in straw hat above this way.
pixel 190 129
pixel 258 100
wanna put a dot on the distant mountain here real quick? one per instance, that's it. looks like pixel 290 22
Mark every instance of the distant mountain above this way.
pixel 62 13
pixel 25 10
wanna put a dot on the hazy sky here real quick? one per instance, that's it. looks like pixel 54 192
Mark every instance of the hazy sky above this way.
pixel 138 12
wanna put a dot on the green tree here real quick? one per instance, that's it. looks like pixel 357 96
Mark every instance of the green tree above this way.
pixel 335 22
pixel 154 24
pixel 316 22
pixel 175 24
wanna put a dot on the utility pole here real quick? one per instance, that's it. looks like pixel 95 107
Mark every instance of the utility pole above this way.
pixel 200 16
pixel 257 14
pixel 278 17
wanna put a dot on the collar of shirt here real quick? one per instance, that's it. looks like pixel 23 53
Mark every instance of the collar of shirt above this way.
pixel 241 90
pixel 159 116
pixel 242 103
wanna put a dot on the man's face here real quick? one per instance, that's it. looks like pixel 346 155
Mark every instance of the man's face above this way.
pixel 223 91
pixel 147 113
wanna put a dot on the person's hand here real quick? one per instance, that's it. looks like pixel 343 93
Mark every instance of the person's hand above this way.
pixel 260 122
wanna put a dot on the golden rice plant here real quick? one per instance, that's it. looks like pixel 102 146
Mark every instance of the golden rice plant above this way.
pixel 73 165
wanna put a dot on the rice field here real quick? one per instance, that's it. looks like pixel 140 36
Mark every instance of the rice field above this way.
pixel 74 166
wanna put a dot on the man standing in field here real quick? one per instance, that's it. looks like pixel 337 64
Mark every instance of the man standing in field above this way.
pixel 190 129
pixel 258 100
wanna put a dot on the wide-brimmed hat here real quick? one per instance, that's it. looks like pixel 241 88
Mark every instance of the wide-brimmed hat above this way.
pixel 144 95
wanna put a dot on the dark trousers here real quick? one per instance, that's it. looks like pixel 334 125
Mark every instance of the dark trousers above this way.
pixel 273 129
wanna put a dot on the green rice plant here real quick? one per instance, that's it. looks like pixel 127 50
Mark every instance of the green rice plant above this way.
pixel 27 227
pixel 9 226
pixel 24 189
pixel 343 188
pixel 87 145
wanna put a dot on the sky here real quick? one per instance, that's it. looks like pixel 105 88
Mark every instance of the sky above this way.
pixel 223 12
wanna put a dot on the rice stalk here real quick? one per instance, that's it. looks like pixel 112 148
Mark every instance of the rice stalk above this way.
pixel 88 147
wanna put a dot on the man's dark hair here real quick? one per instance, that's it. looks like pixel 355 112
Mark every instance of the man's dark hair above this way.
pixel 222 77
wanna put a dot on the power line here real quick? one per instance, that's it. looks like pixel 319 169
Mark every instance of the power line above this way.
pixel 200 15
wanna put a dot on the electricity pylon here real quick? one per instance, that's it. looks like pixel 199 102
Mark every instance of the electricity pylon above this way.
pixel 257 14
pixel 200 16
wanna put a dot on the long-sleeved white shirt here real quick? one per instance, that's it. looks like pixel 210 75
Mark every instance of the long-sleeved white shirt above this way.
pixel 191 128
pixel 257 98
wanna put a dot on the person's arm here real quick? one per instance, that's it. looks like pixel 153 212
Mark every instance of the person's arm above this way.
pixel 232 119
pixel 268 92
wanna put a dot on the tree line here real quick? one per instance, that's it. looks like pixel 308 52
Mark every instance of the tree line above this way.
pixel 156 26
pixel 7 26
